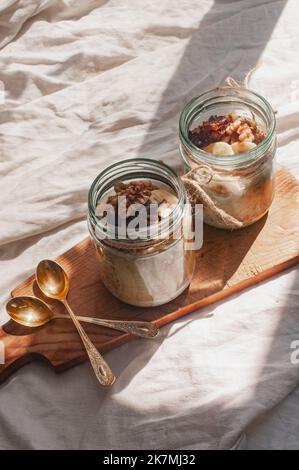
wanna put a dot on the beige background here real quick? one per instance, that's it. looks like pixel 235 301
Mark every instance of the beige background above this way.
pixel 92 82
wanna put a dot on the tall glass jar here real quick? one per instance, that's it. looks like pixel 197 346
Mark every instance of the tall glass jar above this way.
pixel 156 267
pixel 236 188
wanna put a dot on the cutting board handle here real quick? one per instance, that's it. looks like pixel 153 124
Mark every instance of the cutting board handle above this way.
pixel 15 349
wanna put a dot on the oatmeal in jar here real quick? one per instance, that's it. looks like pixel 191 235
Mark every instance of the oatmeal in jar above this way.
pixel 228 144
pixel 137 209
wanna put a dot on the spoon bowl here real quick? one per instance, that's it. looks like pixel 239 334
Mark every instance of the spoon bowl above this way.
pixel 52 279
pixel 29 311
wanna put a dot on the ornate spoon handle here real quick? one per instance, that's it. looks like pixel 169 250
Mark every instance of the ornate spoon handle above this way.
pixel 101 369
pixel 139 328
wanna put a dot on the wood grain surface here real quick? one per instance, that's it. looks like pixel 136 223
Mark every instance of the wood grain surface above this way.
pixel 227 263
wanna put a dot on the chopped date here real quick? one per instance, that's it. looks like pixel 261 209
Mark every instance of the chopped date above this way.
pixel 210 131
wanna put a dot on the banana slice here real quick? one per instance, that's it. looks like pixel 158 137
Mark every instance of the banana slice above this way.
pixel 166 201
pixel 219 148
pixel 161 195
pixel 241 147
pixel 164 210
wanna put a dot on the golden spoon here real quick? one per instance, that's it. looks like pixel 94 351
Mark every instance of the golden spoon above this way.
pixel 33 312
pixel 54 283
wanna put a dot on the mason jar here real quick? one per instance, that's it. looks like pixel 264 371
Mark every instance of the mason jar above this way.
pixel 155 266
pixel 235 190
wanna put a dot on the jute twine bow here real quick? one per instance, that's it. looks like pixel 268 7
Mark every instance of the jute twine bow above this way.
pixel 201 175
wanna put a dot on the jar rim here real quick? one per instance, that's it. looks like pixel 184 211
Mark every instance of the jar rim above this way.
pixel 245 157
pixel 141 164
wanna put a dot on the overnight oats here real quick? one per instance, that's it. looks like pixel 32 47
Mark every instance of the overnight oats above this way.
pixel 228 144
pixel 141 225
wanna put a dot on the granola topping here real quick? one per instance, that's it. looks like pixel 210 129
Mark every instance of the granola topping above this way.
pixel 227 135
pixel 128 198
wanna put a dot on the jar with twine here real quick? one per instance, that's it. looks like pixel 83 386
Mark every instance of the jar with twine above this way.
pixel 235 190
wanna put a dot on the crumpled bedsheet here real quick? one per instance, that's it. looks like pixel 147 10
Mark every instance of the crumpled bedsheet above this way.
pixel 89 83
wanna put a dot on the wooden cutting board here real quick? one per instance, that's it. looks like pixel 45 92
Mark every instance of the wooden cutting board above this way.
pixel 227 263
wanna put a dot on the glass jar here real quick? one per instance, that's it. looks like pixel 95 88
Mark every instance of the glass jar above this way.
pixel 154 268
pixel 240 187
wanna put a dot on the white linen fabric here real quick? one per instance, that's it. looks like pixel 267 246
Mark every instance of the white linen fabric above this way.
pixel 89 83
